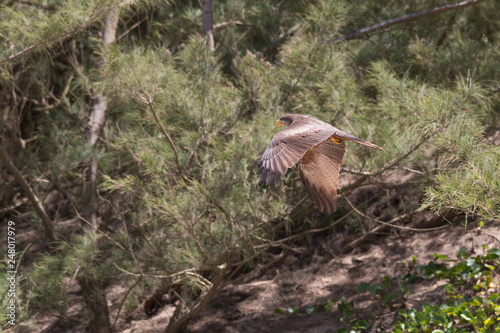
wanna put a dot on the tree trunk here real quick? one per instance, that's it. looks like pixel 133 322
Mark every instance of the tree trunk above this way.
pixel 208 26
pixel 93 291
pixel 95 304
pixel 97 119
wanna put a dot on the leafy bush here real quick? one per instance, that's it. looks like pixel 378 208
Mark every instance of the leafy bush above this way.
pixel 479 311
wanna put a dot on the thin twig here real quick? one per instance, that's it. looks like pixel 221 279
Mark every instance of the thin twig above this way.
pixel 186 271
pixel 363 33
pixel 382 226
pixel 99 230
pixel 148 99
pixel 357 172
pixel 396 219
pixel 123 301
pixel 280 242
pixel 307 232
pixel 31 48
pixel 366 175
pixel 132 28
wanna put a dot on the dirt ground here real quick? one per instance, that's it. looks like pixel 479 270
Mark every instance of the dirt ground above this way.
pixel 249 307
pixel 300 280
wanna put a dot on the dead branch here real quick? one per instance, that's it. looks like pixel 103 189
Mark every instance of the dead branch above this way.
pixel 366 175
pixel 401 217
pixel 186 271
pixel 384 225
pixel 15 205
pixel 225 24
pixel 363 33
pixel 493 91
pixel 28 191
pixel 123 301
pixel 308 232
pixel 215 288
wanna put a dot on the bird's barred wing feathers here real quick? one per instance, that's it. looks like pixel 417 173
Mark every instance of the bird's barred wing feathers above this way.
pixel 288 147
pixel 319 171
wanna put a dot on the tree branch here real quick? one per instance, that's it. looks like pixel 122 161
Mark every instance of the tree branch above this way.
pixel 493 91
pixel 216 286
pixel 363 33
pixel 366 175
pixel 28 191
pixel 149 100
pixel 31 48
pixel 225 24
pixel 383 225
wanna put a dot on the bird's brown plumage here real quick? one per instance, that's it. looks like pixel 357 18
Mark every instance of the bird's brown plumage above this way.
pixel 320 148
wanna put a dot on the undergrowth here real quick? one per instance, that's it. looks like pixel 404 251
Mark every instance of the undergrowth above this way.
pixel 472 301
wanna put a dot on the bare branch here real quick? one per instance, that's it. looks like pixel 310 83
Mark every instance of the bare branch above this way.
pixel 186 271
pixel 123 301
pixel 363 33
pixel 307 232
pixel 135 25
pixel 383 225
pixel 390 224
pixel 225 24
pixel 493 91
pixel 216 286
pixel 366 175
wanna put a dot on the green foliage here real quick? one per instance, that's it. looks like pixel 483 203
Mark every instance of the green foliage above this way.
pixel 472 305
pixel 51 277
pixel 385 291
pixel 352 323
pixel 461 315
pixel 469 270
pixel 479 311
pixel 322 305
pixel 473 187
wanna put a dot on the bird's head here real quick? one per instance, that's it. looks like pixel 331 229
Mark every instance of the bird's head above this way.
pixel 285 120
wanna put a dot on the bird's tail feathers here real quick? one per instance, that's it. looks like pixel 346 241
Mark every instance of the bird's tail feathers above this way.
pixel 348 137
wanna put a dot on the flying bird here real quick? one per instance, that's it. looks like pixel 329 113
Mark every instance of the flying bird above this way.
pixel 320 148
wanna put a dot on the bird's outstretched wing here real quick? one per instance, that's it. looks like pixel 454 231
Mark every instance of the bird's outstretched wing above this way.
pixel 288 146
pixel 319 171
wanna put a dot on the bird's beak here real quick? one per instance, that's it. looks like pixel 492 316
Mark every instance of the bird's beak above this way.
pixel 278 123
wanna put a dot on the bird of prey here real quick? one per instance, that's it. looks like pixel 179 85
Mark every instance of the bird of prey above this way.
pixel 320 148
